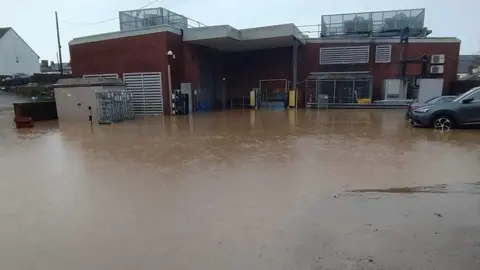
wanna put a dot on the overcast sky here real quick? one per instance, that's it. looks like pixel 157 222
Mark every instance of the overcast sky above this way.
pixel 34 20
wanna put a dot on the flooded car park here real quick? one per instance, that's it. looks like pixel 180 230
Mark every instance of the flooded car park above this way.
pixel 306 189
pixel 6 100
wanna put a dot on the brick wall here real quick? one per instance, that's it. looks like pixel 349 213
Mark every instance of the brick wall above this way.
pixel 143 53
pixel 242 70
pixel 309 61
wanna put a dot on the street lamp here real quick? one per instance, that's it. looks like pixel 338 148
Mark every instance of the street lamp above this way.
pixel 224 94
pixel 170 54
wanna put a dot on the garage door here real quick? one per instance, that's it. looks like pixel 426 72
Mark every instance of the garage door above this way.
pixel 146 89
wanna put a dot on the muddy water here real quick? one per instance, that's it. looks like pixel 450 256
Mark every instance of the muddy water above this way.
pixel 240 190
pixel 7 99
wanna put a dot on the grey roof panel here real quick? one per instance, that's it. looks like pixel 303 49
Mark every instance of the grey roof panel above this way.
pixel 3 31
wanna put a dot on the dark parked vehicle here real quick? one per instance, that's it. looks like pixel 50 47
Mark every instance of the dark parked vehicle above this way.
pixel 16 79
pixel 435 100
pixel 462 111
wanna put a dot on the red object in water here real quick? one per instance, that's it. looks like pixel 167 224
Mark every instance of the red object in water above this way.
pixel 23 122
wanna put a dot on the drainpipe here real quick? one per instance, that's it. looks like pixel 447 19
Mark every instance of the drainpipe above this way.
pixel 294 71
pixel 170 57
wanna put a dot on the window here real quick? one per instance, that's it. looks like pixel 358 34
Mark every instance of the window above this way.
pixel 466 94
pixel 441 99
pixel 433 100
pixel 476 96
pixel 447 99
pixel 383 54
pixel 344 55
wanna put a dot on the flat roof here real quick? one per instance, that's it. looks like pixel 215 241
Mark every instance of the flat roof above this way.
pixel 227 38
pixel 354 40
pixel 125 33
pixel 82 82
pixel 220 37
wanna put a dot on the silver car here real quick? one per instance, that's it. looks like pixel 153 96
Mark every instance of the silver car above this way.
pixel 462 111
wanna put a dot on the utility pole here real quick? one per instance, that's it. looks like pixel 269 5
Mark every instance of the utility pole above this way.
pixel 59 46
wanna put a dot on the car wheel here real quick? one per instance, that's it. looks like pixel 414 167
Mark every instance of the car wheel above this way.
pixel 443 123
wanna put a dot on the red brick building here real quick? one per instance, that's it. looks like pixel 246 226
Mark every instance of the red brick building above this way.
pixel 224 64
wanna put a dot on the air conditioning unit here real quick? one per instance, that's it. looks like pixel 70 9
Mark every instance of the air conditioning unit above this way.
pixel 438 59
pixel 436 70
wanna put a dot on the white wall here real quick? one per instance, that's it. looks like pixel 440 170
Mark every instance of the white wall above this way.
pixel 73 102
pixel 12 50
pixel 429 88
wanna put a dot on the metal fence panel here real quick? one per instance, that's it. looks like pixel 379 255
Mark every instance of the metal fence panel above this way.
pixel 337 90
pixel 344 24
pixel 114 105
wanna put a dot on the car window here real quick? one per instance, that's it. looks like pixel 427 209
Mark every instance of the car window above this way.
pixel 445 99
pixel 432 100
pixel 462 96
pixel 476 96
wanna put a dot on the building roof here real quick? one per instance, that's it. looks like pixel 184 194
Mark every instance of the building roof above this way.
pixel 3 31
pixel 65 66
pixel 465 61
pixel 87 82
pixel 471 77
pixel 388 40
pixel 227 38
pixel 221 37
pixel 123 34
pixel 54 67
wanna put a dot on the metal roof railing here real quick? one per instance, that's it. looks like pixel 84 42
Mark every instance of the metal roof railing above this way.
pixel 390 23
pixel 143 18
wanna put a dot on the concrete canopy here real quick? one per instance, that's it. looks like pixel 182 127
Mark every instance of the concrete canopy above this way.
pixel 227 38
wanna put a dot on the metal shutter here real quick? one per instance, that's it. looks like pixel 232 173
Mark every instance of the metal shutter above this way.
pixel 344 55
pixel 146 89
pixel 383 54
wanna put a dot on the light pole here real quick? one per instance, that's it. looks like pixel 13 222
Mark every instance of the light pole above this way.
pixel 59 46
pixel 224 94
pixel 169 71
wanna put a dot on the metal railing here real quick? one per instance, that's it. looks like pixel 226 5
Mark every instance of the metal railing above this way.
pixel 312 31
pixel 143 18
pixel 337 91
pixel 366 23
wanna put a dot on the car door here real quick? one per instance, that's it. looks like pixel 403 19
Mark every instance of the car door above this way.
pixel 470 112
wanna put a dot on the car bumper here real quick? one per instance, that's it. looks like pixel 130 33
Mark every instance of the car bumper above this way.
pixel 420 119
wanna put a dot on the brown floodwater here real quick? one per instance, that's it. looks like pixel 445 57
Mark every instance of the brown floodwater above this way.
pixel 306 189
